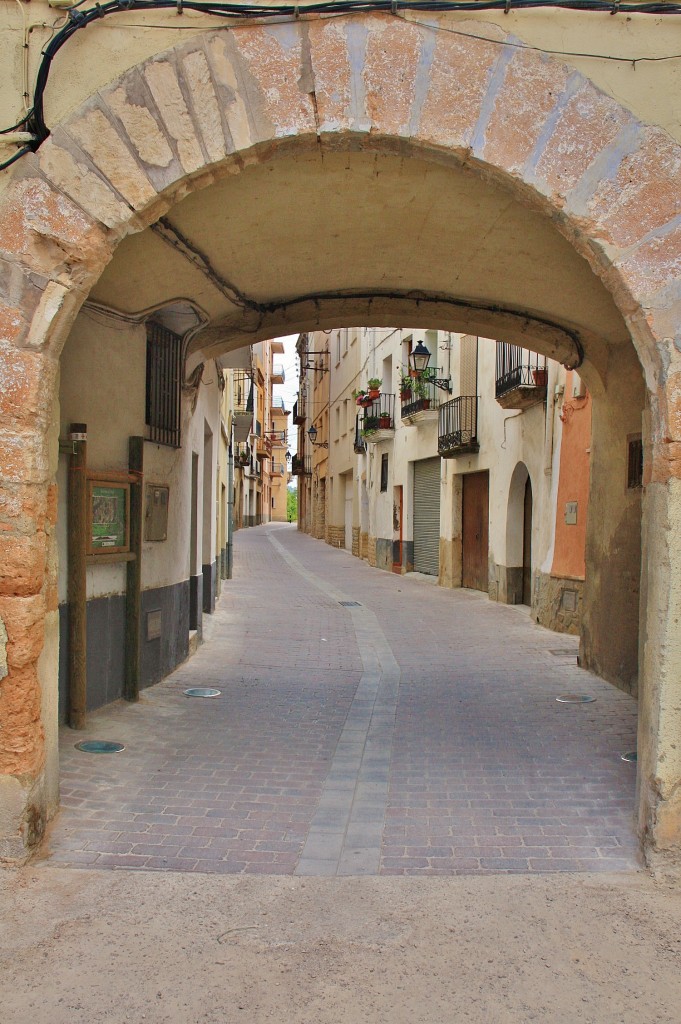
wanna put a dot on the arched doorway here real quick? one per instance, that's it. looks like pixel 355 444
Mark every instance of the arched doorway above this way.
pixel 358 160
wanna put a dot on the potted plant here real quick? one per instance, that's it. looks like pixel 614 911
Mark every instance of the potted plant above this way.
pixel 421 392
pixel 374 386
pixel 370 425
pixel 406 386
pixel 384 421
pixel 362 398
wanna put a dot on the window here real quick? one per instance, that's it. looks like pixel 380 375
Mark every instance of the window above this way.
pixel 384 472
pixel 163 385
pixel 635 463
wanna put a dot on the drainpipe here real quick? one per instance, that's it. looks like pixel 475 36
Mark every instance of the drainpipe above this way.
pixel 230 505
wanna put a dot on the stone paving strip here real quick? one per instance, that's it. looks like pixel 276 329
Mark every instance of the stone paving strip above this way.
pixel 416 732
pixel 347 828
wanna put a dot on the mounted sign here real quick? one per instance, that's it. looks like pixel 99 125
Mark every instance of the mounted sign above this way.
pixel 108 517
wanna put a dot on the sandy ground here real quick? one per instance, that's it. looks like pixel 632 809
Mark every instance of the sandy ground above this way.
pixel 81 946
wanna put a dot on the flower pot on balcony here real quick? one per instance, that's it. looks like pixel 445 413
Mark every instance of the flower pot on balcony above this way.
pixel 384 422
pixel 405 394
pixel 374 393
pixel 539 376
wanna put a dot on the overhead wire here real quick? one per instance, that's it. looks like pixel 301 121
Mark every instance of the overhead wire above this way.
pixel 77 19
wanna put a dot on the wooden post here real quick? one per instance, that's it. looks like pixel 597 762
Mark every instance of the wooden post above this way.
pixel 77 581
pixel 133 593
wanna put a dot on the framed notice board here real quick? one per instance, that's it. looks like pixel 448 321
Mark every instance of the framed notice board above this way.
pixel 108 517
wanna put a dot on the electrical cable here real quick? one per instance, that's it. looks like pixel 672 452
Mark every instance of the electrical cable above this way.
pixel 77 19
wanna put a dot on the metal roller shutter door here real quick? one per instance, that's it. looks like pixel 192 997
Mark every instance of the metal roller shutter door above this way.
pixel 427 516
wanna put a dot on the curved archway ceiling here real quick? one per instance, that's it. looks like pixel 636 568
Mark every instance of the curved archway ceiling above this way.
pixel 329 221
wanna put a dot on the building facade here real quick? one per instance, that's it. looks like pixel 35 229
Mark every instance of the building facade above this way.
pixel 474 470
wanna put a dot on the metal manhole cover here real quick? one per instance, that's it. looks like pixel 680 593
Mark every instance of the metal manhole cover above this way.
pixel 202 691
pixel 100 747
pixel 350 604
pixel 575 698
pixel 631 756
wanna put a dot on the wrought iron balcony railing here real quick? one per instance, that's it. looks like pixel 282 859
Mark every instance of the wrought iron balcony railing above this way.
pixel 242 455
pixel 360 444
pixel 298 413
pixel 422 392
pixel 301 465
pixel 521 376
pixel 378 421
pixel 243 392
pixel 458 427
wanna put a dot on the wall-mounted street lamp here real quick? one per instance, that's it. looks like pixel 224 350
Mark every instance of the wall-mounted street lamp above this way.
pixel 419 360
pixel 312 434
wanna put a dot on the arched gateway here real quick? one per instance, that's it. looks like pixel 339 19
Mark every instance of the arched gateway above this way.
pixel 227 101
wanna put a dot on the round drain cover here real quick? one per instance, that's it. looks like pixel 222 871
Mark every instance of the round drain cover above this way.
pixel 202 691
pixel 100 747
pixel 630 756
pixel 575 698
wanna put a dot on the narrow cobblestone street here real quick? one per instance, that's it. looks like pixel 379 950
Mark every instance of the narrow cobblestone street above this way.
pixel 367 724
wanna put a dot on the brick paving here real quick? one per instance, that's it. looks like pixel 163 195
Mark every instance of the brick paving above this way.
pixel 415 734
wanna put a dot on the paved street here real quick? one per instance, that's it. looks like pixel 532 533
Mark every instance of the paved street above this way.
pixel 414 732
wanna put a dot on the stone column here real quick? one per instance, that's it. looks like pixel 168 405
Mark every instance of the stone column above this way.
pixel 28 601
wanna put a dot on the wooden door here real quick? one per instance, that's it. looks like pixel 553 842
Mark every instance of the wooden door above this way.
pixel 475 531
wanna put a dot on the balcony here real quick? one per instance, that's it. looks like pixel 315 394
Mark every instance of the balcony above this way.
pixel 421 396
pixel 278 374
pixel 458 427
pixel 359 446
pixel 243 406
pixel 298 414
pixel 521 377
pixel 301 465
pixel 242 456
pixel 378 422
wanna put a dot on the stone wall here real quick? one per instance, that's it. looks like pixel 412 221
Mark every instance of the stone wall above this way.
pixel 364 546
pixel 356 541
pixel 371 550
pixel 335 536
pixel 557 603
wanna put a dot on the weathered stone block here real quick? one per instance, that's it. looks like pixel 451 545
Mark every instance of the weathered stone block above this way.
pixel 22 562
pixel 24 621
pixel 520 107
pixel 644 195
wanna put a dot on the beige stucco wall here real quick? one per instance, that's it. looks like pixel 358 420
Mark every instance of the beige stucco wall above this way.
pixel 103 370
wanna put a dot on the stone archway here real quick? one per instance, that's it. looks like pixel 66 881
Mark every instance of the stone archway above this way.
pixel 226 100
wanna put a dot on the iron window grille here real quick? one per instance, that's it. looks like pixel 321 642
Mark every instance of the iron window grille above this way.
pixel 163 404
pixel 635 463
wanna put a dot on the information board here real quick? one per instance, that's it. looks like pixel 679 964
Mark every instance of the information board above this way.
pixel 109 517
